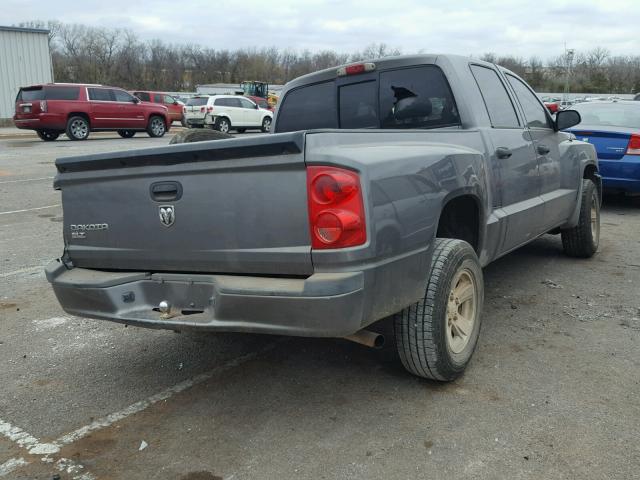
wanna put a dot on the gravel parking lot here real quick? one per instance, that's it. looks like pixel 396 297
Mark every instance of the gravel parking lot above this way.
pixel 552 391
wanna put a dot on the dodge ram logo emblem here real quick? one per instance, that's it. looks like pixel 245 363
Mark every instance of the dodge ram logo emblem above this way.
pixel 167 215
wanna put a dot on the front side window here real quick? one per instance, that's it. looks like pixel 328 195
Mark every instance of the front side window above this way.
pixel 534 112
pixel 496 99
pixel 144 96
pixel 101 94
pixel 168 99
pixel 122 96
pixel 417 97
pixel 244 103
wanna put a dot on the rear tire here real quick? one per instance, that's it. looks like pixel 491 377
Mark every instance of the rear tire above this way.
pixel 126 133
pixel 48 135
pixel 582 240
pixel 223 125
pixel 436 336
pixel 156 127
pixel 77 128
pixel 266 124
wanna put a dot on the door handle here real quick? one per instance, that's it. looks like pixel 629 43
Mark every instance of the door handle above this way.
pixel 503 152
pixel 166 191
pixel 543 149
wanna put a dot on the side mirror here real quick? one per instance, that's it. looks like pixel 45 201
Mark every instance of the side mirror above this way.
pixel 567 119
pixel 257 106
pixel 175 102
pixel 136 100
pixel 412 107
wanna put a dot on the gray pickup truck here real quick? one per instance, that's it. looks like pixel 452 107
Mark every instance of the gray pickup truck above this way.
pixel 384 189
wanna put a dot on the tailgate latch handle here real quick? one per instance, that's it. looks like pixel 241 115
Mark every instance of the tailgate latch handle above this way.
pixel 166 191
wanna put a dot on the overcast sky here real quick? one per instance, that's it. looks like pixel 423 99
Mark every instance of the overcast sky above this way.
pixel 539 27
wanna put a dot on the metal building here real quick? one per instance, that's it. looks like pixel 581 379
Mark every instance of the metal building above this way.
pixel 25 59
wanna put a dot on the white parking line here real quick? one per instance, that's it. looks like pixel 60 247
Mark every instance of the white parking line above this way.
pixel 35 447
pixel 26 180
pixel 30 209
pixel 10 465
pixel 163 395
pixel 22 270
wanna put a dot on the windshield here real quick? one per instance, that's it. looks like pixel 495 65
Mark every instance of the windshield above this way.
pixel 197 101
pixel 609 114
pixel 416 97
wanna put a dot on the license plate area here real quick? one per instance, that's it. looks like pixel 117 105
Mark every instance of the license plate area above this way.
pixel 26 109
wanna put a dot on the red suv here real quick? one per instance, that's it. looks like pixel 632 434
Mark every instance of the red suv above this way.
pixel 174 106
pixel 77 109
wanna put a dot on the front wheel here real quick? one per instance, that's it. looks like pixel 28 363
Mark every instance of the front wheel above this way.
pixel 77 128
pixel 436 336
pixel 156 127
pixel 126 133
pixel 583 239
pixel 266 124
pixel 48 135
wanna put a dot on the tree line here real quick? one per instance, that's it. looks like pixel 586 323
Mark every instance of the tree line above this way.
pixel 87 54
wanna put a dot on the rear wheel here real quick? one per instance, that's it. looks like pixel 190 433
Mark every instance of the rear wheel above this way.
pixel 48 135
pixel 223 125
pixel 436 336
pixel 266 124
pixel 126 133
pixel 156 127
pixel 583 239
pixel 77 128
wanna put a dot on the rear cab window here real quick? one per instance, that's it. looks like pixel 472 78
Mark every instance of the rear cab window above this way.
pixel 404 98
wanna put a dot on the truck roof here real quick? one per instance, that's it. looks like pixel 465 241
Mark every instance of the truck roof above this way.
pixel 383 63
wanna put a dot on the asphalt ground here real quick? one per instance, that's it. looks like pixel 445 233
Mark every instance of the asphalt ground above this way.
pixel 552 391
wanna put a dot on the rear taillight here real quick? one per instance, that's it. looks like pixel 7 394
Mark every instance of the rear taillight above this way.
pixel 336 209
pixel 201 109
pixel 209 109
pixel 43 105
pixel 634 145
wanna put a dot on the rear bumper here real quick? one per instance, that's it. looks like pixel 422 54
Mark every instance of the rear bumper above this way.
pixel 622 174
pixel 51 121
pixel 322 305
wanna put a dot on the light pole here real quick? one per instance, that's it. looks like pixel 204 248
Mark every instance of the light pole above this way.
pixel 568 54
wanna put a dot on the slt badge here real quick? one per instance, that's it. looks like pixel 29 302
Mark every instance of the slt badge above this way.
pixel 167 215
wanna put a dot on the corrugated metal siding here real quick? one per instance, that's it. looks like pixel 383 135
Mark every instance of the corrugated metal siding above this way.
pixel 24 60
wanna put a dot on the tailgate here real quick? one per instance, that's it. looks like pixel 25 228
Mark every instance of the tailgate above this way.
pixel 227 206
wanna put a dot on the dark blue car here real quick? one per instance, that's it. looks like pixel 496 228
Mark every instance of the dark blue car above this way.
pixel 613 127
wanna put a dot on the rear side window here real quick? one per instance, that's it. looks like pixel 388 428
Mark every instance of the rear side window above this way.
pixel 100 94
pixel 417 97
pixel 496 99
pixel 61 93
pixel 359 105
pixel 144 96
pixel 308 108
pixel 534 112
pixel 197 101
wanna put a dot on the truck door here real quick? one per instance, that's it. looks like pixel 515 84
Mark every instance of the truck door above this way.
pixel 558 174
pixel 514 162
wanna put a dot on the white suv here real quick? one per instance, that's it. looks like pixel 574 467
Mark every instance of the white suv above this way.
pixel 228 112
